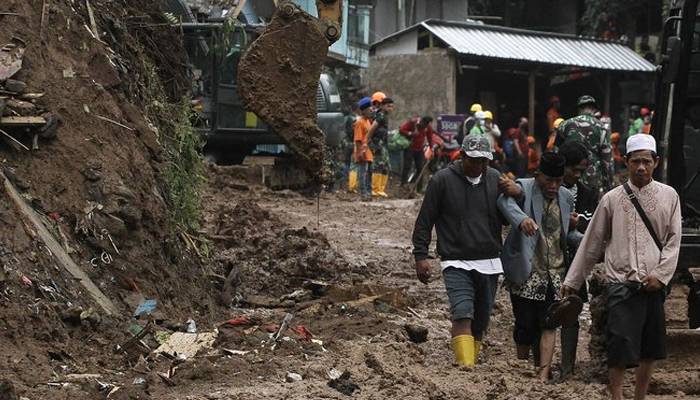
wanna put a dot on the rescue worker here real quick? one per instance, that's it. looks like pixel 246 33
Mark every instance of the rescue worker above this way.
pixel 553 113
pixel 534 257
pixel 588 129
pixel 379 134
pixel 553 134
pixel 646 119
pixel 636 121
pixel 420 132
pixel 636 230
pixel 478 128
pixel 470 121
pixel 533 155
pixel 362 152
pixel 460 202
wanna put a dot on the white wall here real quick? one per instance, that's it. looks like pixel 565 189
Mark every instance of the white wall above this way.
pixel 403 44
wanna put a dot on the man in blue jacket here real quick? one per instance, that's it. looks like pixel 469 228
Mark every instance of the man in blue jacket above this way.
pixel 460 202
pixel 534 256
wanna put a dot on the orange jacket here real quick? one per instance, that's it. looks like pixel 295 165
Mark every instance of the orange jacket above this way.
pixel 361 135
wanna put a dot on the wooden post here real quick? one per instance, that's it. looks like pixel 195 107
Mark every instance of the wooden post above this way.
pixel 531 92
pixel 606 101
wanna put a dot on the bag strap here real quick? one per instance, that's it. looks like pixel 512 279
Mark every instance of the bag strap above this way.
pixel 640 211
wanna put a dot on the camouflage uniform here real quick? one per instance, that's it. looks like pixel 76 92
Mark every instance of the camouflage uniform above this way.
pixel 381 164
pixel 590 131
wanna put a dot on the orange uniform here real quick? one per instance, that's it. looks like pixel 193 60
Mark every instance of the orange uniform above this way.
pixel 361 134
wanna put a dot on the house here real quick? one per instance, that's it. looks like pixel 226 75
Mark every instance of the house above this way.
pixel 441 67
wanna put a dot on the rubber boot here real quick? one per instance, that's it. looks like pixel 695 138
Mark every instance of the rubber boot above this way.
pixel 383 181
pixel 463 347
pixel 569 341
pixel 352 181
pixel 376 184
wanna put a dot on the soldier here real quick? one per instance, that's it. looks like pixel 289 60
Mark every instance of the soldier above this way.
pixel 588 129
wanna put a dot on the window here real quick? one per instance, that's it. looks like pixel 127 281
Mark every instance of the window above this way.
pixel 358 24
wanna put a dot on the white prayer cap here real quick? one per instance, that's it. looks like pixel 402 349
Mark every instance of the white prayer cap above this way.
pixel 641 141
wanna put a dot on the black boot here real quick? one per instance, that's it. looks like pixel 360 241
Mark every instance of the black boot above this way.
pixel 569 342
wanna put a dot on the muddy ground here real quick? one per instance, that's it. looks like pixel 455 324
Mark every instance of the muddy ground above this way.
pixel 367 339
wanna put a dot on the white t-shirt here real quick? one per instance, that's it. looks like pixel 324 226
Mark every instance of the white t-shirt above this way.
pixel 490 266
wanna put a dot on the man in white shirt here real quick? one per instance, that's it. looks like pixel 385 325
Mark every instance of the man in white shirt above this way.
pixel 640 244
pixel 460 202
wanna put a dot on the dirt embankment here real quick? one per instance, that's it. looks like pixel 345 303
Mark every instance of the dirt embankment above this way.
pixel 98 186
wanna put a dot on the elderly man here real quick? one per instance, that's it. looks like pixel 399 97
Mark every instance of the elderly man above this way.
pixel 534 257
pixel 637 228
pixel 460 202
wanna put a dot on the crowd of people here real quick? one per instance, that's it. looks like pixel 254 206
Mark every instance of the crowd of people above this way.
pixel 566 218
pixel 364 162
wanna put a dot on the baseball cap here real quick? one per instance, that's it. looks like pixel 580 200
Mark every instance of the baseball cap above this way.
pixel 364 103
pixel 476 145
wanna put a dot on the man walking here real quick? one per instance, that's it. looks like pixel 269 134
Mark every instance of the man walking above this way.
pixel 637 229
pixel 588 129
pixel 460 202
pixel 534 257
pixel 420 132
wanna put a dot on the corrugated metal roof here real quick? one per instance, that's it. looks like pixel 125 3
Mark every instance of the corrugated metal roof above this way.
pixel 533 46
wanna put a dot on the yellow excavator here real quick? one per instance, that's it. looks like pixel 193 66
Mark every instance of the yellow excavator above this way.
pixel 278 77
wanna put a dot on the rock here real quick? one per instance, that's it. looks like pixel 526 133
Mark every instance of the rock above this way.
pixel 92 174
pixel 292 377
pixel 416 333
pixel 20 183
pixel 344 384
pixel 7 391
pixel 71 316
pixel 53 122
pixel 23 108
pixel 16 86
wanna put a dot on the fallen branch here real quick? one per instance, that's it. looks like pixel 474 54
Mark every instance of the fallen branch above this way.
pixel 61 256
pixel 113 122
pixel 13 14
pixel 7 135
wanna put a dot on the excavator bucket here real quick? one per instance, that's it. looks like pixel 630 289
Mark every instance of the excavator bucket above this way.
pixel 278 80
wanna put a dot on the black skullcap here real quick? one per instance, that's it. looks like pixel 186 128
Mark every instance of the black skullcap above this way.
pixel 552 164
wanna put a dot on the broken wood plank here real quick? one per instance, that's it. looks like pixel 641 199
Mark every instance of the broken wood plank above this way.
pixel 22 121
pixel 57 250
pixel 93 24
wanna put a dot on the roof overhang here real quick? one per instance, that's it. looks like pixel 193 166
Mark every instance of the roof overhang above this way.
pixel 496 43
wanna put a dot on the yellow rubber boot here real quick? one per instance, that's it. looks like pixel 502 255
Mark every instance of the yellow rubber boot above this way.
pixel 477 349
pixel 376 184
pixel 352 181
pixel 463 347
pixel 383 181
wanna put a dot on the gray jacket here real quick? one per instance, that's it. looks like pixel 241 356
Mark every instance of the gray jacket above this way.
pixel 519 248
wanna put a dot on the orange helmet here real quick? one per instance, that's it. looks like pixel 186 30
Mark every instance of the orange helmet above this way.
pixel 615 137
pixel 378 97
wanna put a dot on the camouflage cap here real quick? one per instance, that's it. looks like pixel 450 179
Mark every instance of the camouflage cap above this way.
pixel 477 145
pixel 585 100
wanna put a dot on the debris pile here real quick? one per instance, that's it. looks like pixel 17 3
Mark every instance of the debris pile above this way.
pixel 21 110
pixel 260 254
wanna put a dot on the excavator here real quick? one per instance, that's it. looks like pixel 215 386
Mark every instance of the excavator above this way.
pixel 676 126
pixel 278 77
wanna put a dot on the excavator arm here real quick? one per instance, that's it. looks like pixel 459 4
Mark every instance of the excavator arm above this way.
pixel 278 77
